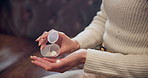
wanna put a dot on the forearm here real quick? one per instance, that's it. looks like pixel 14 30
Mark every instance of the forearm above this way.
pixel 89 38
pixel 76 46
pixel 116 64
pixel 93 34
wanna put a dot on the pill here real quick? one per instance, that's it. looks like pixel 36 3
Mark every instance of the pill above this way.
pixel 53 53
pixel 58 61
pixel 48 54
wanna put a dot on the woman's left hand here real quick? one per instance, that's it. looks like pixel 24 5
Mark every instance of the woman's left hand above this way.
pixel 65 64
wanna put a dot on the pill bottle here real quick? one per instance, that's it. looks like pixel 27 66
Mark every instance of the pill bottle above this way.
pixel 51 50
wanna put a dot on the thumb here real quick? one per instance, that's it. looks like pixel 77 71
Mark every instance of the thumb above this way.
pixel 62 50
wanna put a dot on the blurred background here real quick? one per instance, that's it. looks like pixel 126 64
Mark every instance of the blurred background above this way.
pixel 22 21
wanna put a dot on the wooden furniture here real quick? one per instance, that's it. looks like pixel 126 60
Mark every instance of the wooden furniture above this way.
pixel 15 61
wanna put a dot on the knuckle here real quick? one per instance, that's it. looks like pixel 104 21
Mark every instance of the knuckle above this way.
pixel 45 31
pixel 62 33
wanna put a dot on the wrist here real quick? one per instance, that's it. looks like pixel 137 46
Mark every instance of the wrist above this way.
pixel 83 57
pixel 76 45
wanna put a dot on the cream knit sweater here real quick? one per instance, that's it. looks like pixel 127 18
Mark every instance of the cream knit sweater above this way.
pixel 122 26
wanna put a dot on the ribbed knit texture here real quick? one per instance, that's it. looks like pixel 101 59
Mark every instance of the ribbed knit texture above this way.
pixel 122 26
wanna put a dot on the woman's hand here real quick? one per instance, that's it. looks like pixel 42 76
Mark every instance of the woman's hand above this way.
pixel 66 63
pixel 66 44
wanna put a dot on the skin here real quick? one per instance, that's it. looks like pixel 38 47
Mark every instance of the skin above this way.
pixel 77 56
pixel 67 45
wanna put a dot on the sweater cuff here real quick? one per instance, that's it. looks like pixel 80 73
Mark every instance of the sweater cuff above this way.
pixel 99 62
pixel 81 42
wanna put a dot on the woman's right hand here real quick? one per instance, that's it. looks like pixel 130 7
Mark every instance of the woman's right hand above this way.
pixel 66 44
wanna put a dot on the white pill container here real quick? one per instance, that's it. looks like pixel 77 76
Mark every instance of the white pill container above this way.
pixel 51 50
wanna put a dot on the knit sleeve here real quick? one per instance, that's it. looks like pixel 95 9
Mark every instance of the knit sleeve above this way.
pixel 115 64
pixel 93 34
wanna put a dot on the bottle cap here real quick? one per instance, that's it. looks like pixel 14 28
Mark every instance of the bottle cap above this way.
pixel 53 36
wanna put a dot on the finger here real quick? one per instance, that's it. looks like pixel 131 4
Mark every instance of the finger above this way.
pixel 42 41
pixel 50 59
pixel 38 63
pixel 43 61
pixel 61 33
pixel 42 46
pixel 44 35
pixel 38 38
pixel 35 58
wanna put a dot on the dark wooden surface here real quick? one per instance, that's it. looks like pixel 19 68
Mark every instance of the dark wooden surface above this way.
pixel 15 61
pixel 14 49
pixel 25 69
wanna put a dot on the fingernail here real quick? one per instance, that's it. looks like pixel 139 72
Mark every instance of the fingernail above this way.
pixel 41 47
pixel 32 61
pixel 34 56
pixel 39 44
pixel 30 56
pixel 37 38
